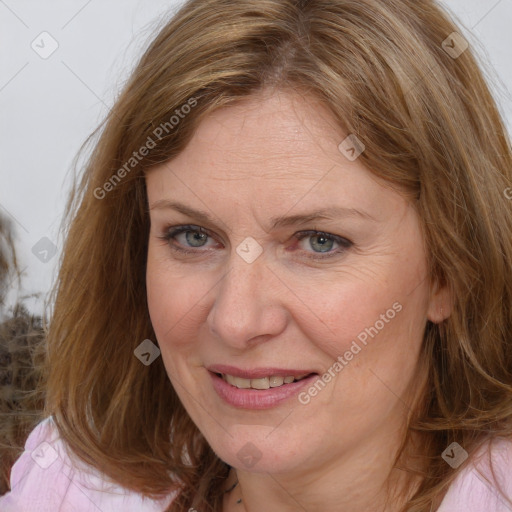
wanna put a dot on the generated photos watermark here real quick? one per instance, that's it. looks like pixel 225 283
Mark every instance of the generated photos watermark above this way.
pixel 249 455
pixel 45 45
pixel 351 147
pixel 249 249
pixel 146 352
pixel 44 455
pixel 343 360
pixel 455 45
pixel 454 455
pixel 158 133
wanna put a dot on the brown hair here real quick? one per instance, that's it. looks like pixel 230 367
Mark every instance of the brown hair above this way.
pixel 430 126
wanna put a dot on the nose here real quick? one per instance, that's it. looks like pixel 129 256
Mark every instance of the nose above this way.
pixel 247 308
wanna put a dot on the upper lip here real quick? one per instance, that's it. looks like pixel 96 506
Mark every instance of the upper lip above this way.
pixel 257 373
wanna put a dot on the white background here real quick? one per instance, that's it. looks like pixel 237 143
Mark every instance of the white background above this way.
pixel 48 107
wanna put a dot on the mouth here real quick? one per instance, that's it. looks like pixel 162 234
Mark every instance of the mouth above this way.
pixel 273 381
pixel 260 388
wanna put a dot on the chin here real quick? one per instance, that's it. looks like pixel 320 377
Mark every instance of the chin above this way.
pixel 255 452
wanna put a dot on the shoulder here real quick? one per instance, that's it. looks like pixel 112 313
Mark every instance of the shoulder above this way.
pixel 477 487
pixel 45 479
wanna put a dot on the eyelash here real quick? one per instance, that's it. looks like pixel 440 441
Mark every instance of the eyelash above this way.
pixel 172 232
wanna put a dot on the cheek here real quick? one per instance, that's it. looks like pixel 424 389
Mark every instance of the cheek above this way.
pixel 372 353
pixel 388 310
pixel 176 301
pixel 374 346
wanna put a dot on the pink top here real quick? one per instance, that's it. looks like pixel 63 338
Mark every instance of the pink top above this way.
pixel 45 480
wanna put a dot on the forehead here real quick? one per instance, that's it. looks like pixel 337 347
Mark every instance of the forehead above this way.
pixel 279 148
pixel 282 131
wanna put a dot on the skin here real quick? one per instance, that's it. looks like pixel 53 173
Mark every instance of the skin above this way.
pixel 276 154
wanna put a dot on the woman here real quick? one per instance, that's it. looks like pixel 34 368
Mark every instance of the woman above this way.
pixel 287 280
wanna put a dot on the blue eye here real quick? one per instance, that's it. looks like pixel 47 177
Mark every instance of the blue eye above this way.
pixel 323 243
pixel 195 237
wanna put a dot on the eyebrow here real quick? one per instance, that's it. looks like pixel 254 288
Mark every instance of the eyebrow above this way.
pixel 276 222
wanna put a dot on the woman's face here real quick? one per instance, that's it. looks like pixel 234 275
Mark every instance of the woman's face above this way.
pixel 291 260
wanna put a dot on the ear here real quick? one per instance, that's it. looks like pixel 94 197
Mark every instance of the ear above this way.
pixel 440 302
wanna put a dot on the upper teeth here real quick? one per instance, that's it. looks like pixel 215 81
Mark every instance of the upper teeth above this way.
pixel 264 383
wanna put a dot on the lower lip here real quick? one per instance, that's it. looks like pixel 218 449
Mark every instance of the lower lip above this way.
pixel 256 398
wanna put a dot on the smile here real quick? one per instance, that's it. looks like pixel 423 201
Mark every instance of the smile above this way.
pixel 273 381
pixel 260 388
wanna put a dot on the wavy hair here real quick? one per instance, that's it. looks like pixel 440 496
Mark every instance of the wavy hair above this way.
pixel 430 126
